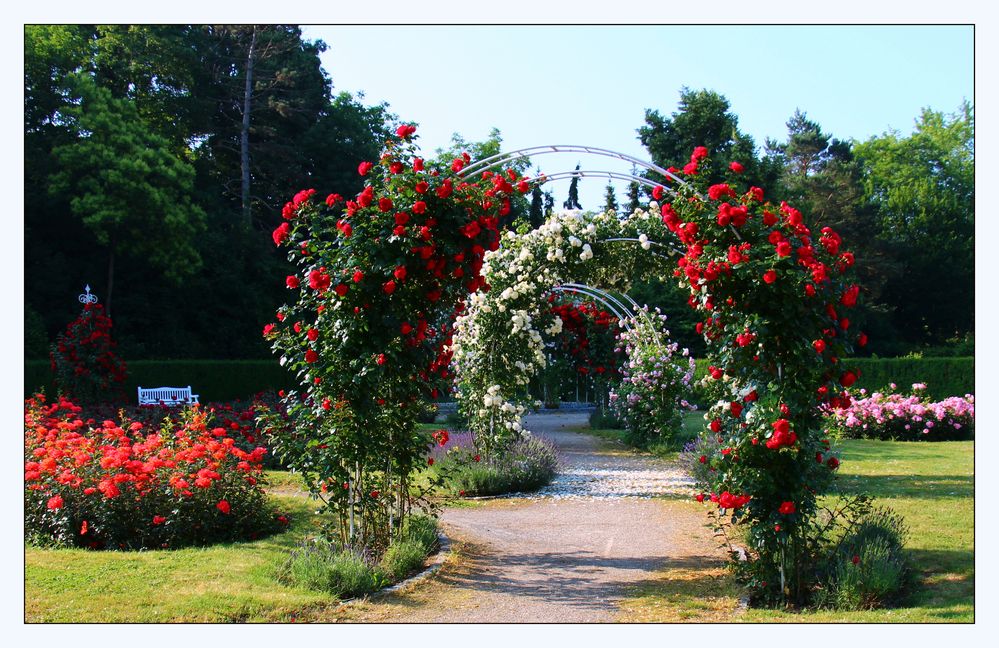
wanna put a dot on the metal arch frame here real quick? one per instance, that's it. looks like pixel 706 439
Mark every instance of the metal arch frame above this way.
pixel 622 312
pixel 499 158
pixel 542 178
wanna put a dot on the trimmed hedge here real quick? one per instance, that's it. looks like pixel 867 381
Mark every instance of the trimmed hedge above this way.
pixel 212 380
pixel 943 376
pixel 219 380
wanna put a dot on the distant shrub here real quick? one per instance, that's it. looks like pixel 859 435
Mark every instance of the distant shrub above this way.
pixel 528 464
pixel 422 529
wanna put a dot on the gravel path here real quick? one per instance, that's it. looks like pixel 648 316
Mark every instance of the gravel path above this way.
pixel 569 553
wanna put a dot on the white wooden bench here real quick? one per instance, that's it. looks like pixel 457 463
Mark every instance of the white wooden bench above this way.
pixel 167 396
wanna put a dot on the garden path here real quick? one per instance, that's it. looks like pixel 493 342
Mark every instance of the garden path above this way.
pixel 569 553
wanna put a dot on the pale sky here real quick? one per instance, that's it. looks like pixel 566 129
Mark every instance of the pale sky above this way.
pixel 591 85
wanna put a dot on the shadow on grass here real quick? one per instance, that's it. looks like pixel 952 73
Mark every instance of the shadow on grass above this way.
pixel 916 486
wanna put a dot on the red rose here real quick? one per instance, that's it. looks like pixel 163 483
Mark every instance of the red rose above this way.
pixel 380 360
pixel 419 207
pixel 319 280
pixel 820 345
pixel 341 289
pixel 847 379
pixel 384 204
pixel 83 528
pixel 855 560
pixel 457 165
pixel 400 272
pixel 703 459
pixel 430 461
pixel 833 463
pixel 849 297
pixel 690 168
pixel 311 356
pixel 280 235
pixel 223 506
pixel 291 281
pixel 333 199
pixel 700 152
pixel 862 339
pixel 312 334
pixel 405 130
pixel 716 425
pixel 736 409
pixel 418 164
pixel 657 192
pixel 159 519
pixel 786 508
pixel 395 167
pixel 55 502
pixel 364 167
pixel 523 187
pixel 783 249
pixel 388 287
pixel 358 276
pixel 769 219
pixel 770 276
pixel 421 187
pixel 406 328
pixel 699 497
pixel 735 166
pixel 715 192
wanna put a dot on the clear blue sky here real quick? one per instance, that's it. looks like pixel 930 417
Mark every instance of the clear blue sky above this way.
pixel 591 85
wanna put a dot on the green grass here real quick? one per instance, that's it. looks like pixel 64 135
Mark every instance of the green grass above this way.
pixel 221 583
pixel 930 484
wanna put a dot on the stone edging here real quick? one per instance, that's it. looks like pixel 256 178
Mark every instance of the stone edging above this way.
pixel 443 551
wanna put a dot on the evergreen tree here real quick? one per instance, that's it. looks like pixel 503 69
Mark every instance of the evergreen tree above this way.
pixel 610 200
pixel 536 215
pixel 573 201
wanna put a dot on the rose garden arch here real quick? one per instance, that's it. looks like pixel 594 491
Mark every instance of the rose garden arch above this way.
pixel 412 273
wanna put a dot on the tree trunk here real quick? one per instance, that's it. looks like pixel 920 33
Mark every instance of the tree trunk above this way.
pixel 244 133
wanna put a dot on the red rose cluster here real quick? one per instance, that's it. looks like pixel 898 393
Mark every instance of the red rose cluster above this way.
pixel 126 484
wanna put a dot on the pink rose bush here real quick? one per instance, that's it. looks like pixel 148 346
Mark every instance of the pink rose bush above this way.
pixel 888 415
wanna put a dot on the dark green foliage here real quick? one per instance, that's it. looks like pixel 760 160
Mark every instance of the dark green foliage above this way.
pixel 572 202
pixel 943 376
pixel 212 380
pixel 536 216
pixel 923 187
pixel 175 91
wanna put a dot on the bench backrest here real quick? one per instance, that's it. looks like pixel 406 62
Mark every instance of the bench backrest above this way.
pixel 166 395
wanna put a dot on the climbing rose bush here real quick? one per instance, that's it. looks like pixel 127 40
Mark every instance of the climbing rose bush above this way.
pixel 655 380
pixel 774 298
pixel 83 358
pixel 122 484
pixel 887 415
pixel 379 278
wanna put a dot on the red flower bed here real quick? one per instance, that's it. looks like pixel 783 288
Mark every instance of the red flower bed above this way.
pixel 129 484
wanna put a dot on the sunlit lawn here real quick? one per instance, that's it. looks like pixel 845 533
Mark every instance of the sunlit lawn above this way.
pixel 229 582
pixel 930 484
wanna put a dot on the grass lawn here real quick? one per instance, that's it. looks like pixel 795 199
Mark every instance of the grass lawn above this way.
pixel 930 484
pixel 221 583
